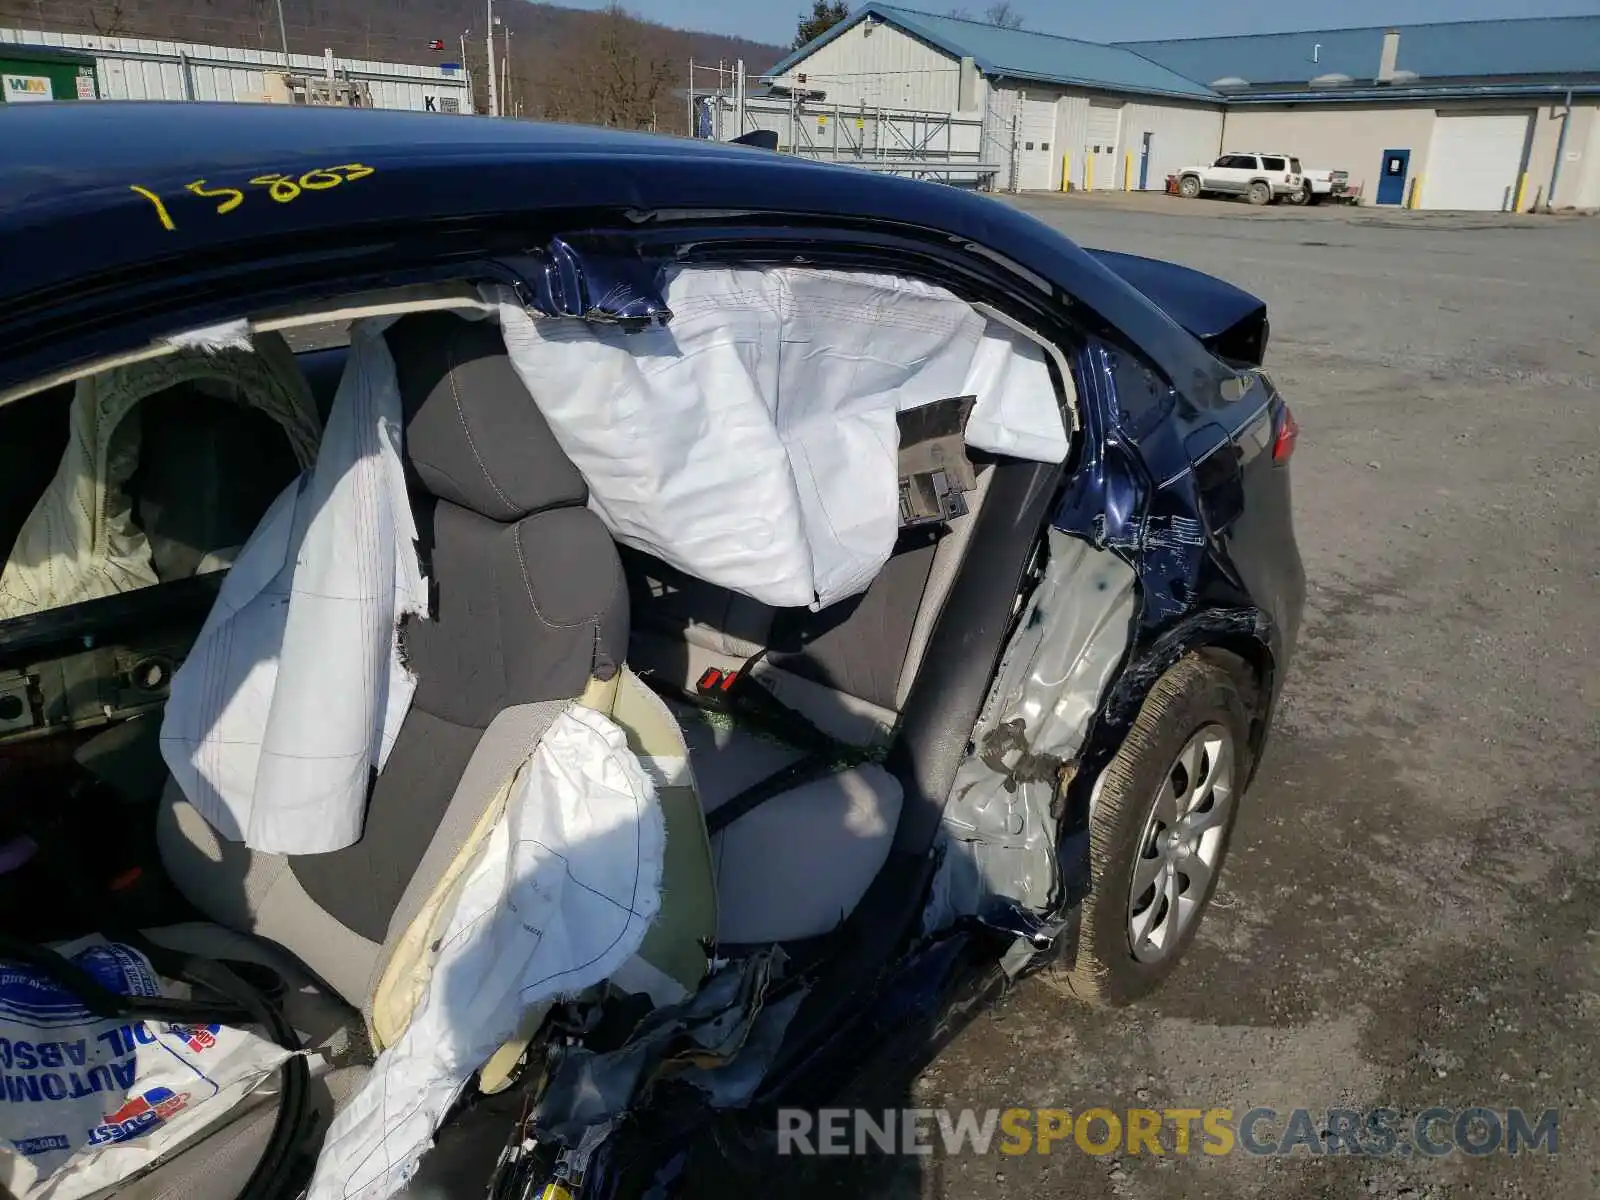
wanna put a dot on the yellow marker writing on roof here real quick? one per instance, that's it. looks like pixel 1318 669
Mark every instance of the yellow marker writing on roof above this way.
pixel 281 187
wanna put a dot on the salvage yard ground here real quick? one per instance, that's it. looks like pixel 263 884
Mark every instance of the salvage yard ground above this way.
pixel 1411 912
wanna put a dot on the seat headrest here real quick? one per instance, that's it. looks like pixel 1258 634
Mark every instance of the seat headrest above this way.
pixel 472 432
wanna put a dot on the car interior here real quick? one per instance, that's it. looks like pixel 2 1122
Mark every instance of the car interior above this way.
pixel 83 683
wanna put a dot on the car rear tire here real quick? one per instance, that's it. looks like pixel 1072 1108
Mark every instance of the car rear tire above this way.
pixel 1260 194
pixel 1189 187
pixel 1162 818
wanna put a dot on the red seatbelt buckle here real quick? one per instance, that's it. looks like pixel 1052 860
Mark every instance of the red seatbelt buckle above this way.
pixel 715 687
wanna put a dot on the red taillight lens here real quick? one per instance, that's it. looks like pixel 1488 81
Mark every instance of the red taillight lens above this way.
pixel 1288 434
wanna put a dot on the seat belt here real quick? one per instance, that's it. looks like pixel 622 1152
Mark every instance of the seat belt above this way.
pixel 739 694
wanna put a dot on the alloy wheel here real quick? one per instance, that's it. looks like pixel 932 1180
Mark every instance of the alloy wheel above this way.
pixel 1182 844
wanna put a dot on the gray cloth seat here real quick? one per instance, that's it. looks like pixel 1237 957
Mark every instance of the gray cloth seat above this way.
pixel 528 604
pixel 798 864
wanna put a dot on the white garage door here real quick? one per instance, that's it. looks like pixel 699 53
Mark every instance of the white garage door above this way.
pixel 1472 162
pixel 1036 131
pixel 1105 123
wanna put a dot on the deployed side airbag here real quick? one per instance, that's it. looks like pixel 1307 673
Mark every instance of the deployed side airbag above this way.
pixel 557 897
pixel 295 690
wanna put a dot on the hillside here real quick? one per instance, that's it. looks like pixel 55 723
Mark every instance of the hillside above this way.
pixel 566 64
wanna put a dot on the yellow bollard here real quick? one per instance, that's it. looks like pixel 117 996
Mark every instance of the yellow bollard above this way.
pixel 1416 192
pixel 1522 191
pixel 1066 176
pixel 1088 173
pixel 1127 172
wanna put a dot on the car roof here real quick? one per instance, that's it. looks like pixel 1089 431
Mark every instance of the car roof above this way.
pixel 77 165
pixel 76 196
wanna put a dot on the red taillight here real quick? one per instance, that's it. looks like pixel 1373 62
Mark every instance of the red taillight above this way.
pixel 1288 433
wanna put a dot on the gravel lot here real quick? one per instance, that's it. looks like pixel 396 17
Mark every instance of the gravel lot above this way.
pixel 1411 913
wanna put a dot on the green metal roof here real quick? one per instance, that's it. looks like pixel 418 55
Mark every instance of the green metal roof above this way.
pixel 22 52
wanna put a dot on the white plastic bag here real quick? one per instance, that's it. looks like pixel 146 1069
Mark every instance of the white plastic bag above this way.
pixel 84 1101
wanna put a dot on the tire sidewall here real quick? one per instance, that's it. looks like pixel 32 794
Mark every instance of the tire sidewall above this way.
pixel 1205 695
pixel 1189 188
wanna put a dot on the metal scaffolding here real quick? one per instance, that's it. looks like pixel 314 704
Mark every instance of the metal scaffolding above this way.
pixel 920 144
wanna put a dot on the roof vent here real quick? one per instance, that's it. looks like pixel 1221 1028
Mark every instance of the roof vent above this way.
pixel 1390 55
pixel 1331 80
pixel 1229 83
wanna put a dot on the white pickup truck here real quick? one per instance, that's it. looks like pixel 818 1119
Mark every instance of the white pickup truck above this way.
pixel 1261 177
pixel 1321 184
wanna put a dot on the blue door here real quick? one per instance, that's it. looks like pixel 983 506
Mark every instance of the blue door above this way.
pixel 1144 163
pixel 1392 179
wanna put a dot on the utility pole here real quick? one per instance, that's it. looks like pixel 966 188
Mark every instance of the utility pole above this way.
pixel 689 105
pixel 472 102
pixel 283 34
pixel 739 94
pixel 505 90
pixel 494 83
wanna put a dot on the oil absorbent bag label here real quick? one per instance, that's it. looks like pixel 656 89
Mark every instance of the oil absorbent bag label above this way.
pixel 88 1101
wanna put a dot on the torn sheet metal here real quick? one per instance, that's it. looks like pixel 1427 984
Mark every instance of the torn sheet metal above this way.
pixel 602 280
pixel 310 610
pixel 560 896
pixel 1000 825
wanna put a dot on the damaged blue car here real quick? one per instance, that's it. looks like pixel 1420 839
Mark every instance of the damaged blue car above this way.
pixel 562 643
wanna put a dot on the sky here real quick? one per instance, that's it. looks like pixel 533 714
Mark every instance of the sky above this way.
pixel 775 20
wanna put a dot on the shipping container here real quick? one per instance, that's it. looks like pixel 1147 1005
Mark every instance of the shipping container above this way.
pixel 30 73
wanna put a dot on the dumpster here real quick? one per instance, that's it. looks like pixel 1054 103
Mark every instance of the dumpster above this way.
pixel 35 73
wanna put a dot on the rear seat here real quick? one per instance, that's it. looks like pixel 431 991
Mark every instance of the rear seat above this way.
pixel 797 865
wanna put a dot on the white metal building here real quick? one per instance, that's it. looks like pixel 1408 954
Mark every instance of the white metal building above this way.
pixel 1475 115
pixel 142 69
pixel 1053 109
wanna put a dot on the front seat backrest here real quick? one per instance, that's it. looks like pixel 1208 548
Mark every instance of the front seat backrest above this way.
pixel 527 598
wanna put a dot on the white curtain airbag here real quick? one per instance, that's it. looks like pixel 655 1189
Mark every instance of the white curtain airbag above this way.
pixel 752 442
pixel 81 540
pixel 1017 413
pixel 671 430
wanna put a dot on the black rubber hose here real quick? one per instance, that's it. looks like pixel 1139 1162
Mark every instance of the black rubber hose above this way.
pixel 272 1179
pixel 111 1005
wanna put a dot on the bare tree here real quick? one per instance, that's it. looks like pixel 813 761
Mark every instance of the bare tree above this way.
pixel 608 78
pixel 1003 15
pixel 111 22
